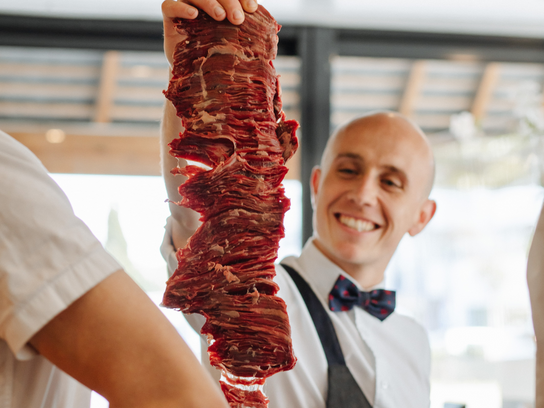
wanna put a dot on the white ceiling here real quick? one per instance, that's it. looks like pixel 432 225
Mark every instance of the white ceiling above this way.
pixel 496 17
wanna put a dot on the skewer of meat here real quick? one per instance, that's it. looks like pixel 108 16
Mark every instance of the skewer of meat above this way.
pixel 226 92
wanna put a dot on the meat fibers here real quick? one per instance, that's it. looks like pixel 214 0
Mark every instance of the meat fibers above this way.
pixel 226 92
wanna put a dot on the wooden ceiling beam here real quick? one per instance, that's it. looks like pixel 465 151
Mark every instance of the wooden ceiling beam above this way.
pixel 106 89
pixel 487 85
pixel 413 88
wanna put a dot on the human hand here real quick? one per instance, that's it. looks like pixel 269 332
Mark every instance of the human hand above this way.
pixel 188 9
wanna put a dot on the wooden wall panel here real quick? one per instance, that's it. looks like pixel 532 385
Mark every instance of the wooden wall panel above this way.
pixel 96 154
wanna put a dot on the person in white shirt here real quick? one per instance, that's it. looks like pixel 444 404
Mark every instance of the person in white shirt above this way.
pixel 70 319
pixel 371 189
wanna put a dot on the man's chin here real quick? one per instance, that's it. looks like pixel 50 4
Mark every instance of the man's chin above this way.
pixel 355 259
pixel 353 256
pixel 342 252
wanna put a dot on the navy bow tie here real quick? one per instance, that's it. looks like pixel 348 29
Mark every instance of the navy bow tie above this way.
pixel 344 295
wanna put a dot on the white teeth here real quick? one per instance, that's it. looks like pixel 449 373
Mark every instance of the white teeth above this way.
pixel 358 225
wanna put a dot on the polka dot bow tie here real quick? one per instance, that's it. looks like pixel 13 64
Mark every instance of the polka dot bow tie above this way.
pixel 344 295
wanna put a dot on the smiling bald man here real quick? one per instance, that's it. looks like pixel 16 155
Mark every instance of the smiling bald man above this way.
pixel 371 188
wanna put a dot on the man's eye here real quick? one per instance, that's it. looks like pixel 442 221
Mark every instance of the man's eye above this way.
pixel 391 183
pixel 346 171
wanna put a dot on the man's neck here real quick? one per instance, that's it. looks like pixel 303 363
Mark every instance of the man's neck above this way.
pixel 368 276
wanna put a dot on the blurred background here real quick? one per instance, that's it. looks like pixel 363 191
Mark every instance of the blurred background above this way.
pixel 81 85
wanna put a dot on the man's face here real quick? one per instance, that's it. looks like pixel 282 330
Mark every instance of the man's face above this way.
pixel 371 190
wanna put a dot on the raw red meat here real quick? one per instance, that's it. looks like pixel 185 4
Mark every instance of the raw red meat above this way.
pixel 240 398
pixel 226 91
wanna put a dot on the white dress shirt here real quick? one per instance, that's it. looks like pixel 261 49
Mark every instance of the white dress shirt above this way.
pixel 390 360
pixel 48 259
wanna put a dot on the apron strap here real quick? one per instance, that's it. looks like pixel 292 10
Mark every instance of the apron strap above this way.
pixel 344 392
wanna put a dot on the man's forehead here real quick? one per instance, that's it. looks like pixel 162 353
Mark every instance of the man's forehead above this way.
pixel 386 139
pixel 386 131
pixel 372 145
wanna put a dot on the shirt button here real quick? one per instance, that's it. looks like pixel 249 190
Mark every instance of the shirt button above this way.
pixel 385 385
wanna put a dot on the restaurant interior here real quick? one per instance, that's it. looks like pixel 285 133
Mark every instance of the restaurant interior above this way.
pixel 81 86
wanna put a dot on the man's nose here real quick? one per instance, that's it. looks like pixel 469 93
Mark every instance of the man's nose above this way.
pixel 365 191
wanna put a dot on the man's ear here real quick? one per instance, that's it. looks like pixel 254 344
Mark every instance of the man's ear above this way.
pixel 314 183
pixel 426 213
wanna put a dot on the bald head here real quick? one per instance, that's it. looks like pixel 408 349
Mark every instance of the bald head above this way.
pixel 371 189
pixel 388 130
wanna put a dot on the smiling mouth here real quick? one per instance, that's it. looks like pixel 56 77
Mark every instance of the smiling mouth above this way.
pixel 356 224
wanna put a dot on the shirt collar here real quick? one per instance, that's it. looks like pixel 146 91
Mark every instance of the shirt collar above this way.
pixel 319 271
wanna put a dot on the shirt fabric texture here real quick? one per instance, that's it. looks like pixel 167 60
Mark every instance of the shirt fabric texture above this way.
pixel 389 360
pixel 48 259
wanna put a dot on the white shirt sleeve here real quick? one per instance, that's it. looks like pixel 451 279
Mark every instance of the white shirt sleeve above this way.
pixel 168 251
pixel 48 256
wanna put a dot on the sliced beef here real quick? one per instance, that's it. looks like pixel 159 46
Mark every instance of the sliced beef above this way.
pixel 226 92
